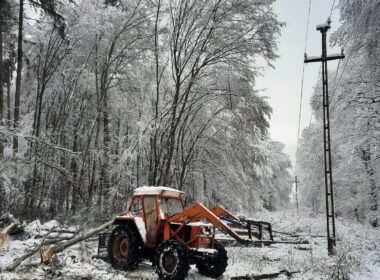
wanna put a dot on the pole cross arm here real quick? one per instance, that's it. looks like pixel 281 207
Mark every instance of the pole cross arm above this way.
pixel 335 56
pixel 312 59
pixel 320 58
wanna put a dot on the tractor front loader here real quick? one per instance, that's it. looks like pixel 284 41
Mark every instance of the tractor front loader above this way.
pixel 243 226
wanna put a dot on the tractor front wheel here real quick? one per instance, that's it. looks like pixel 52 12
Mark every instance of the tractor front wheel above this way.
pixel 171 260
pixel 214 267
pixel 123 248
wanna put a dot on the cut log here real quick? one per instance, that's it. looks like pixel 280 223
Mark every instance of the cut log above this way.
pixel 47 254
pixel 4 236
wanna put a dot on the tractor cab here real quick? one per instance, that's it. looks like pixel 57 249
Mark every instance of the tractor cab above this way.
pixel 165 200
pixel 150 207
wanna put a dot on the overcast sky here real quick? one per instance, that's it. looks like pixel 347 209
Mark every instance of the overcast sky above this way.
pixel 283 84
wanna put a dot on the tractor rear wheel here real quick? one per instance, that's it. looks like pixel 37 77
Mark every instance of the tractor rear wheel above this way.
pixel 171 260
pixel 214 267
pixel 123 248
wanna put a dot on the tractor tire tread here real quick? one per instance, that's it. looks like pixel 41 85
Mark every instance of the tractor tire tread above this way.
pixel 183 262
pixel 218 265
pixel 132 261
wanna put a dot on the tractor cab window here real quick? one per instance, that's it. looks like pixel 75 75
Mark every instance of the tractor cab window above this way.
pixel 171 206
pixel 136 208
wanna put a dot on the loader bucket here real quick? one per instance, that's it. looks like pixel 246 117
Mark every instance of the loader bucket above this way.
pixel 250 228
pixel 244 227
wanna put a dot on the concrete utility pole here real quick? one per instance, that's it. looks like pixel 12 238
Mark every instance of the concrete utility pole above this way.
pixel 330 214
pixel 296 184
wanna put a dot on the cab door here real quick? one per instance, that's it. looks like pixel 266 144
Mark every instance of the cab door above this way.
pixel 151 219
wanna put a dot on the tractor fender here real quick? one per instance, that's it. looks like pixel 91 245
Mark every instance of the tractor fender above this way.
pixel 134 223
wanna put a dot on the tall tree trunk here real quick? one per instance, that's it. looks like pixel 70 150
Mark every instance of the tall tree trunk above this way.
pixel 18 78
pixel 104 179
pixel 1 113
pixel 91 188
pixel 138 157
pixel 1 98
pixel 205 196
pixel 30 189
pixel 74 172
pixel 154 153
pixel 367 159
pixel 9 118
pixel 171 139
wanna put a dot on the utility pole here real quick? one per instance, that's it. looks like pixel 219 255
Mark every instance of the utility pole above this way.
pixel 330 213
pixel 296 184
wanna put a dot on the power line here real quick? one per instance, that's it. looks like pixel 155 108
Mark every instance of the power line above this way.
pixel 308 180
pixel 332 8
pixel 310 176
pixel 302 81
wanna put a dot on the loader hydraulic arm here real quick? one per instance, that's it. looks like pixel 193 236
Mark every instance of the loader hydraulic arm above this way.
pixel 220 211
pixel 199 212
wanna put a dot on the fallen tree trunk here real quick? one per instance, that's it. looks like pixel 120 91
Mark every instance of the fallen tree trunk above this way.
pixel 47 254
pixel 56 231
pixel 4 236
pixel 297 235
pixel 265 276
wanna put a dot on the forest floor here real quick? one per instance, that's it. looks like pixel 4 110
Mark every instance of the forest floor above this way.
pixel 358 254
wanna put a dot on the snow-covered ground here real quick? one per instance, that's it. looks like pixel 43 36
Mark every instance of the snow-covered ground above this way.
pixel 358 255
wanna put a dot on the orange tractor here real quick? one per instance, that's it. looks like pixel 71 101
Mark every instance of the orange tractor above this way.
pixel 159 228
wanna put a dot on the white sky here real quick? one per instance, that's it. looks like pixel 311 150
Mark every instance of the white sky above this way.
pixel 283 84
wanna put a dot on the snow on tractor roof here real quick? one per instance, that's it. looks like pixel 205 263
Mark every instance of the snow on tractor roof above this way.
pixel 158 191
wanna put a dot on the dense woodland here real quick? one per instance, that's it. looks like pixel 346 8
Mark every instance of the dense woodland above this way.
pixel 98 97
pixel 101 96
pixel 355 121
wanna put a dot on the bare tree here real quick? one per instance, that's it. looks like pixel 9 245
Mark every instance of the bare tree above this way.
pixel 18 76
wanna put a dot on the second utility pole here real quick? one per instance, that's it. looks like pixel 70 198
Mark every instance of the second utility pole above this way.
pixel 330 214
pixel 296 185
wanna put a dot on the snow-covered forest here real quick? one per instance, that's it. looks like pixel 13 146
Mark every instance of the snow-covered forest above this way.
pixel 111 95
pixel 100 97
